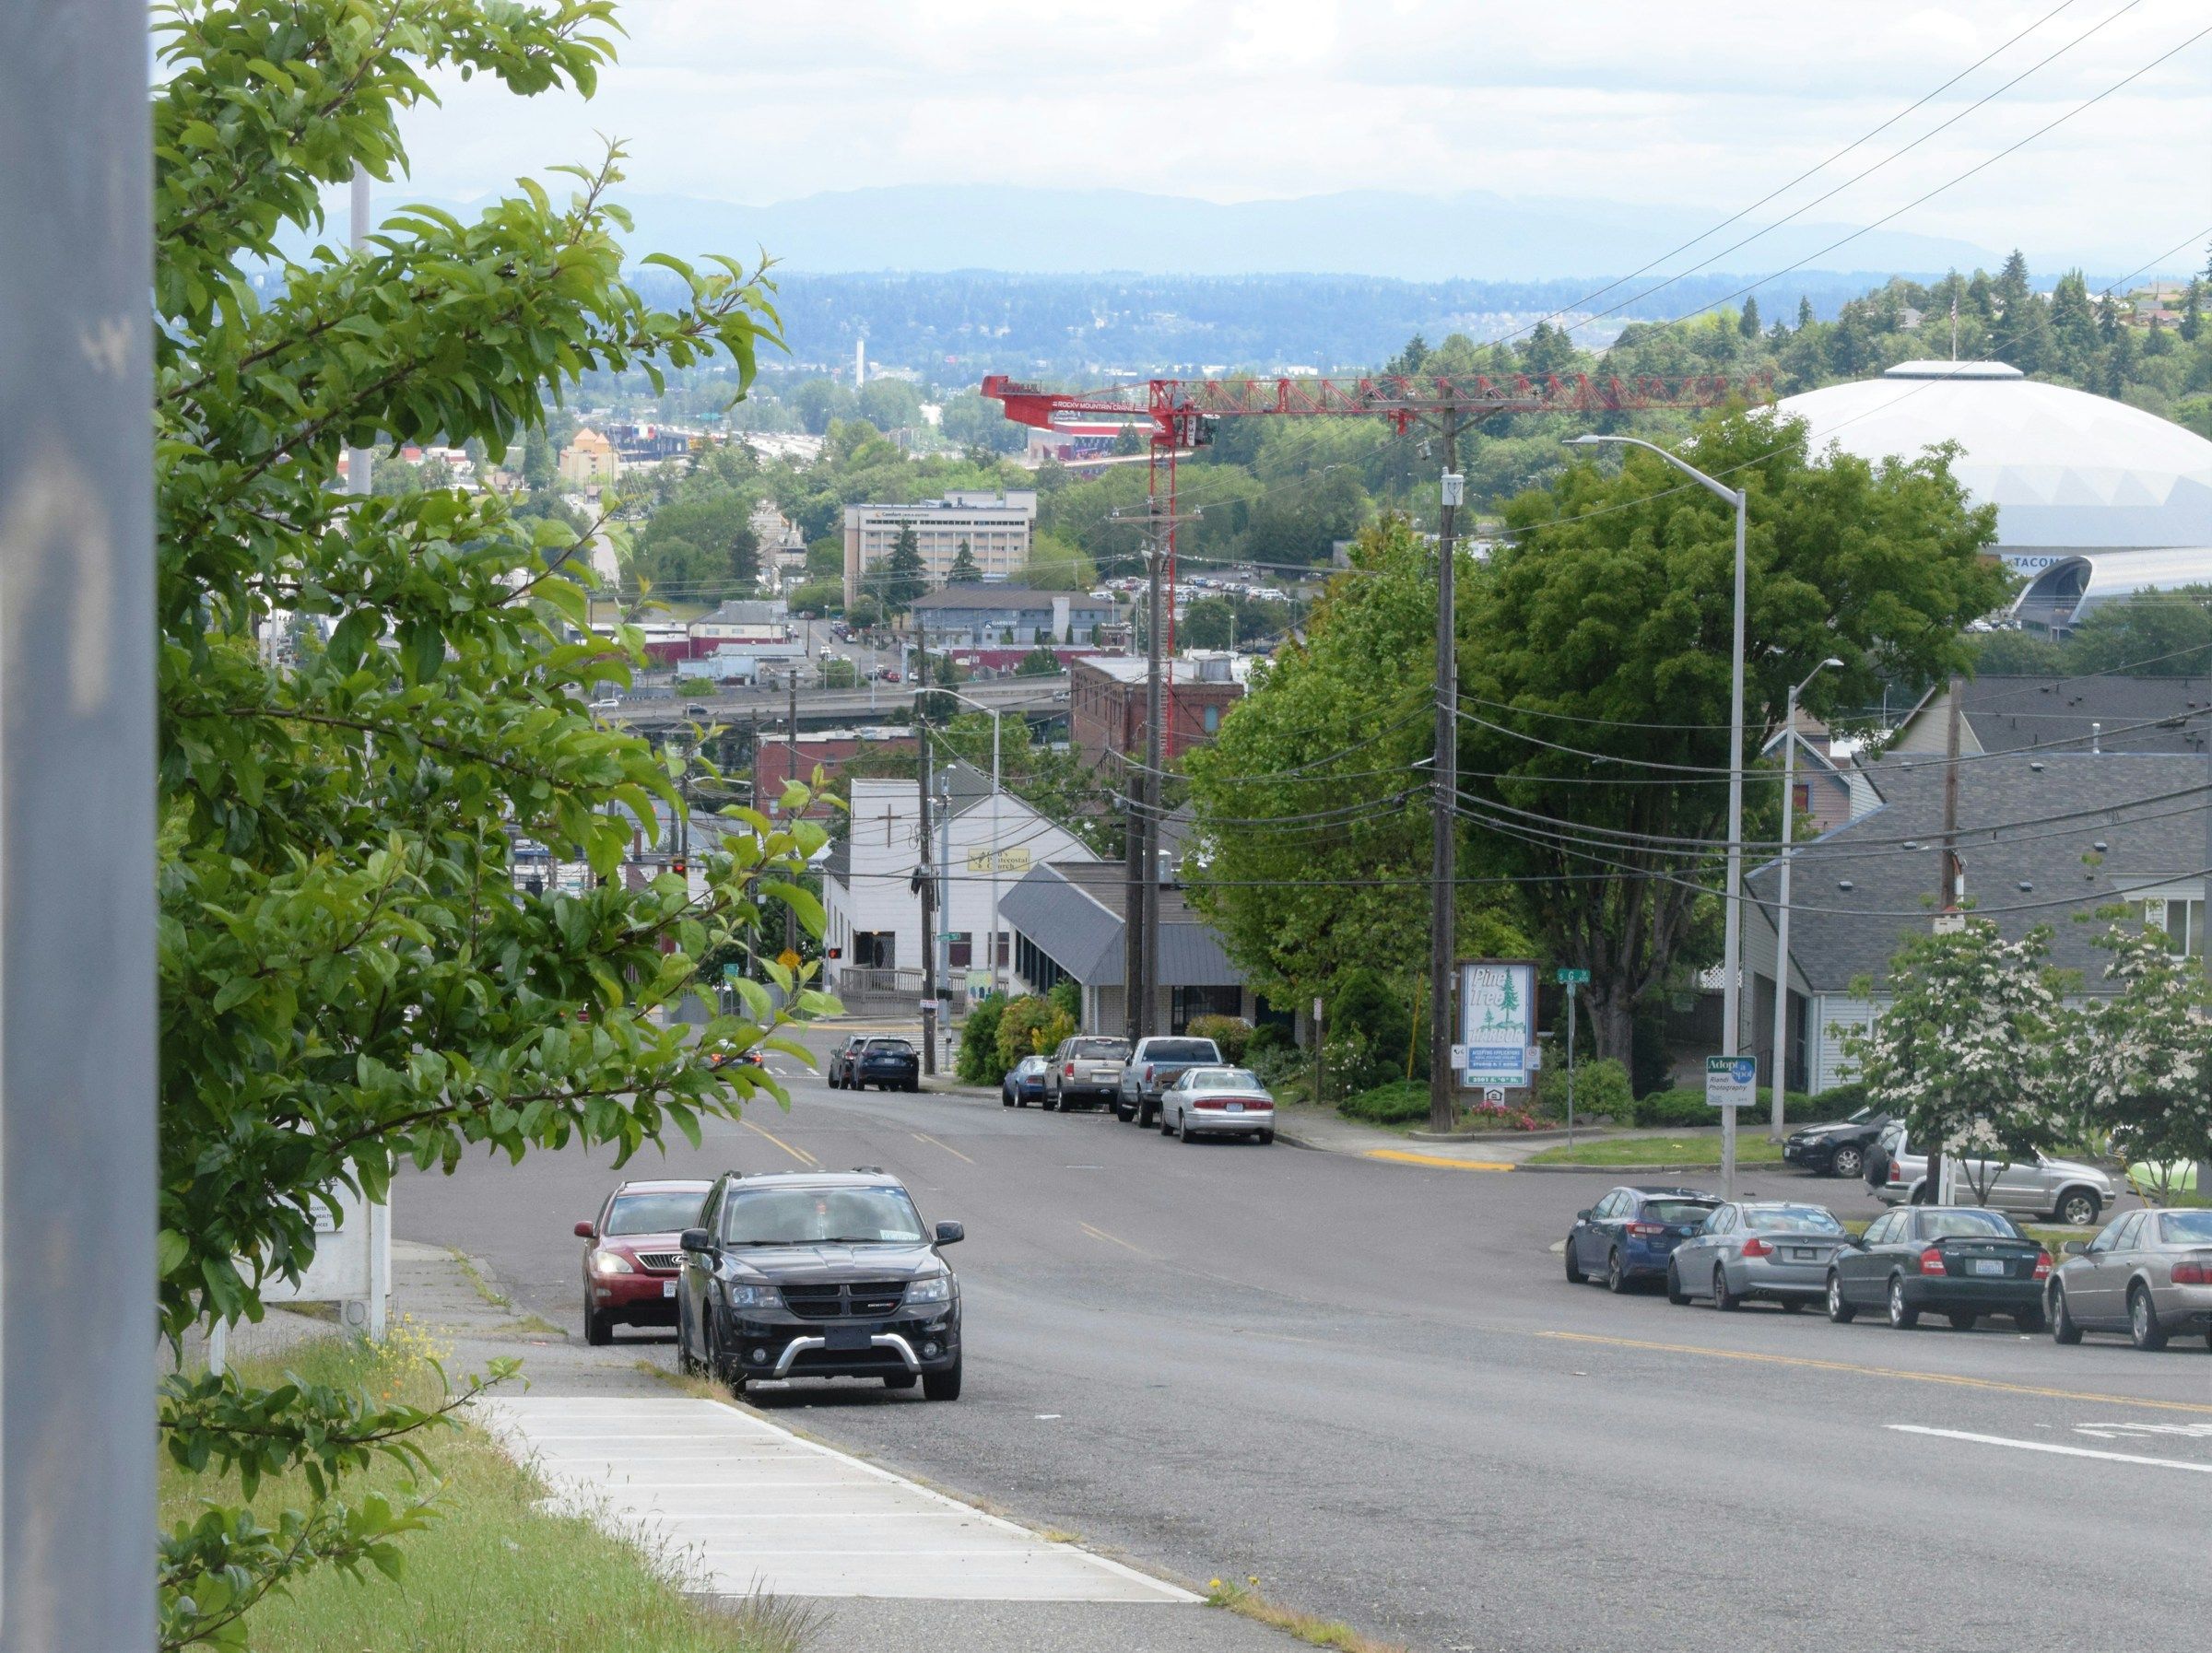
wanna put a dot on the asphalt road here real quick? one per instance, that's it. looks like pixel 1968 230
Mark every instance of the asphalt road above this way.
pixel 1369 1385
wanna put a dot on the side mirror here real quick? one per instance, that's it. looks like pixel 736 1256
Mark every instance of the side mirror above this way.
pixel 2074 1248
pixel 1582 1216
pixel 951 1234
pixel 696 1239
pixel 585 1231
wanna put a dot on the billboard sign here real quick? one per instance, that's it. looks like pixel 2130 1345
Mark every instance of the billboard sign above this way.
pixel 1496 1021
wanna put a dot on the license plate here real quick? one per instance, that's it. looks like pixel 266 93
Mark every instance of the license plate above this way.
pixel 1236 1108
pixel 848 1337
pixel 667 1288
pixel 1985 1265
pixel 1804 1254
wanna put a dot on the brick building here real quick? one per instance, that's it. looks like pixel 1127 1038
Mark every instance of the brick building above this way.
pixel 772 766
pixel 1106 702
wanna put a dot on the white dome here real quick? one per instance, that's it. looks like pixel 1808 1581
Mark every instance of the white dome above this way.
pixel 2066 470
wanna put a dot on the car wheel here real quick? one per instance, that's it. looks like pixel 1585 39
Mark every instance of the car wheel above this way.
pixel 1122 1112
pixel 1165 1127
pixel 1574 1270
pixel 1838 1310
pixel 1616 1277
pixel 899 1381
pixel 944 1385
pixel 1848 1163
pixel 1267 1138
pixel 1182 1129
pixel 598 1330
pixel 1147 1112
pixel 1901 1316
pixel 2063 1328
pixel 2143 1326
pixel 2078 1208
pixel 1962 1321
pixel 1723 1298
pixel 1005 1097
pixel 1675 1294
pixel 1050 1103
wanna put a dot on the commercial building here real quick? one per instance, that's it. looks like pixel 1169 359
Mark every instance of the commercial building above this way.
pixel 1068 924
pixel 589 459
pixel 1107 702
pixel 827 753
pixel 981 615
pixel 2094 499
pixel 995 527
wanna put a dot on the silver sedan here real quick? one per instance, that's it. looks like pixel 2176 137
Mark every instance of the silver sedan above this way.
pixel 2149 1275
pixel 1776 1249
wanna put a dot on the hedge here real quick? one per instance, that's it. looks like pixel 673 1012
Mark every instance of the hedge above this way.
pixel 1401 1102
pixel 1685 1105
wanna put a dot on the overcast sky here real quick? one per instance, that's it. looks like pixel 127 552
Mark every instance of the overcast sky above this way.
pixel 1708 104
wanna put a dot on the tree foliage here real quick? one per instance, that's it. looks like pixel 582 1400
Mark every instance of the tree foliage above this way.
pixel 2145 1053
pixel 351 981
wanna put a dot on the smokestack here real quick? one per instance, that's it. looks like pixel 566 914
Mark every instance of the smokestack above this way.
pixel 860 363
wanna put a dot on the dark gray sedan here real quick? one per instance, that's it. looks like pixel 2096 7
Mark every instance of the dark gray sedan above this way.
pixel 1774 1249
pixel 2149 1275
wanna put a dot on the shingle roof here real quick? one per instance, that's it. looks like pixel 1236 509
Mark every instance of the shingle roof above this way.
pixel 1074 911
pixel 983 594
pixel 1838 935
pixel 2007 713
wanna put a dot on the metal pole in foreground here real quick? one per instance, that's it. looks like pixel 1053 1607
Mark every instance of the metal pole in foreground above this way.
pixel 1571 1064
pixel 1444 924
pixel 77 827
pixel 1781 916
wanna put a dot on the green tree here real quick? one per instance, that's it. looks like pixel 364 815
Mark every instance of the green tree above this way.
pixel 2156 634
pixel 702 542
pixel 350 979
pixel 1038 661
pixel 839 674
pixel 826 558
pixel 964 569
pixel 818 597
pixel 1746 324
pixel 1604 627
pixel 899 578
pixel 538 467
pixel 1056 564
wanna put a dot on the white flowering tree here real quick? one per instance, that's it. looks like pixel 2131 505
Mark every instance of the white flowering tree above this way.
pixel 2145 1056
pixel 1967 1052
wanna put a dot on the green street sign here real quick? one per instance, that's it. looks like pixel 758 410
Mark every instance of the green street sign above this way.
pixel 1570 976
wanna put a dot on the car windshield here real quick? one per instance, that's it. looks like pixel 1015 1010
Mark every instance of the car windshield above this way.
pixel 1791 1219
pixel 654 1214
pixel 890 1047
pixel 1225 1079
pixel 1971 1225
pixel 1181 1049
pixel 1100 1050
pixel 800 1216
pixel 2186 1227
pixel 1859 1117
pixel 1676 1211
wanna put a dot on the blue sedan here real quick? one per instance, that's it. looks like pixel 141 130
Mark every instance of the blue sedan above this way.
pixel 1631 1234
pixel 1024 1083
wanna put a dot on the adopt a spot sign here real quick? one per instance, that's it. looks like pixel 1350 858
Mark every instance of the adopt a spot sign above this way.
pixel 1732 1081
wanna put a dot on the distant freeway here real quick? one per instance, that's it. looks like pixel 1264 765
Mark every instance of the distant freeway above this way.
pixel 1031 695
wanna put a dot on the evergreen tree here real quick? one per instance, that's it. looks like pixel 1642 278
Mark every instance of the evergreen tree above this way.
pixel 964 568
pixel 899 578
pixel 2012 282
pixel 1805 312
pixel 1746 324
pixel 2193 309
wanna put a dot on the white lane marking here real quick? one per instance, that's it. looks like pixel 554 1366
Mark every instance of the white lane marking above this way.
pixel 1046 1417
pixel 2132 1431
pixel 2053 1447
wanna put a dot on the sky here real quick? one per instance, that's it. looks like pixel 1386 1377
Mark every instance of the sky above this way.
pixel 1682 101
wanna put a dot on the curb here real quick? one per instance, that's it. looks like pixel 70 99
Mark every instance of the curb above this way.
pixel 1636 1171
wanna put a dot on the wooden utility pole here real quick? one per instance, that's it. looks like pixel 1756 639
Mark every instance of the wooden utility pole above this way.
pixel 1155 638
pixel 790 773
pixel 1954 881
pixel 929 888
pixel 1444 924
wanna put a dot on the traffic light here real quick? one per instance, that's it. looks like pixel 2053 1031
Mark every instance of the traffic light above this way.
pixel 833 953
pixel 679 866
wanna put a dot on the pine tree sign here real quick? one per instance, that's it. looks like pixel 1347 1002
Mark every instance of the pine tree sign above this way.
pixel 1497 1023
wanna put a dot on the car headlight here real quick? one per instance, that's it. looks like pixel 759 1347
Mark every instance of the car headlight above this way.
pixel 611 1262
pixel 755 1296
pixel 937 1288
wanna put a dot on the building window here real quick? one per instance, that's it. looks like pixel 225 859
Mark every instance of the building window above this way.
pixel 2183 922
pixel 1187 1002
pixel 1213 719
pixel 1802 795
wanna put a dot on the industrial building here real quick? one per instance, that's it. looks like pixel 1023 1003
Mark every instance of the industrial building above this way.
pixel 995 529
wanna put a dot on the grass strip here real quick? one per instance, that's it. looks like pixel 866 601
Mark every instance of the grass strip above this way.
pixel 1701 1148
pixel 498 1572
pixel 1246 1600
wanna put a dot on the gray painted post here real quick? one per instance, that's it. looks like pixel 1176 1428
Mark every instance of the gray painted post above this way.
pixel 77 827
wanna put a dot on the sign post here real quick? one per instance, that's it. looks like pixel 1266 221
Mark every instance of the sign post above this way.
pixel 1571 978
pixel 1731 1082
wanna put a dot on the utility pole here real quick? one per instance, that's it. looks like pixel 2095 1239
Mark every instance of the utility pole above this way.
pixel 928 892
pixel 1948 911
pixel 1444 921
pixel 77 826
pixel 1148 889
pixel 790 773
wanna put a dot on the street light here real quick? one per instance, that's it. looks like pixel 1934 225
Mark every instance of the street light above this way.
pixel 1732 944
pixel 979 706
pixel 1781 921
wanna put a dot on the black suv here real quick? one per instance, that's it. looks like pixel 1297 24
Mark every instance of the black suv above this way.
pixel 891 1063
pixel 818 1274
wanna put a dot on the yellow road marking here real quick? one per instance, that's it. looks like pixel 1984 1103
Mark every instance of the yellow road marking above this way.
pixel 1866 1371
pixel 1402 1158
pixel 800 1154
pixel 1110 1239
pixel 924 1136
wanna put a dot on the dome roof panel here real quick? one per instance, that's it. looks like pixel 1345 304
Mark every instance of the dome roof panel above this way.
pixel 2064 468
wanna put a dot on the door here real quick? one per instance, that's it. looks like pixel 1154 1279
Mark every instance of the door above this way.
pixel 2019 1187
pixel 1861 1268
pixel 1695 1256
pixel 1589 1235
pixel 2097 1295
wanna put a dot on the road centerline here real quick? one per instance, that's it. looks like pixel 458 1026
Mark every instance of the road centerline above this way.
pixel 924 1136
pixel 800 1154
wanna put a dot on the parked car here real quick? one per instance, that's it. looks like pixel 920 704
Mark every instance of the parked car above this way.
pixel 1962 1262
pixel 2149 1275
pixel 1084 1070
pixel 838 1069
pixel 631 1257
pixel 1631 1234
pixel 1218 1102
pixel 694 709
pixel 1838 1148
pixel 1153 1066
pixel 2066 1191
pixel 1024 1083
pixel 887 1063
pixel 818 1274
pixel 1749 1249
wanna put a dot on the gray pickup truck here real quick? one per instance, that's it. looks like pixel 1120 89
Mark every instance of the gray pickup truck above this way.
pixel 1154 1065
pixel 1085 1071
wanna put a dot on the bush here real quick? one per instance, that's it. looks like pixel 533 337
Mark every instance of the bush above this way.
pixel 1066 997
pixel 978 1061
pixel 1837 1102
pixel 1599 1087
pixel 1283 1068
pixel 1681 1105
pixel 1268 1036
pixel 1400 1102
pixel 1231 1035
pixel 1018 1024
